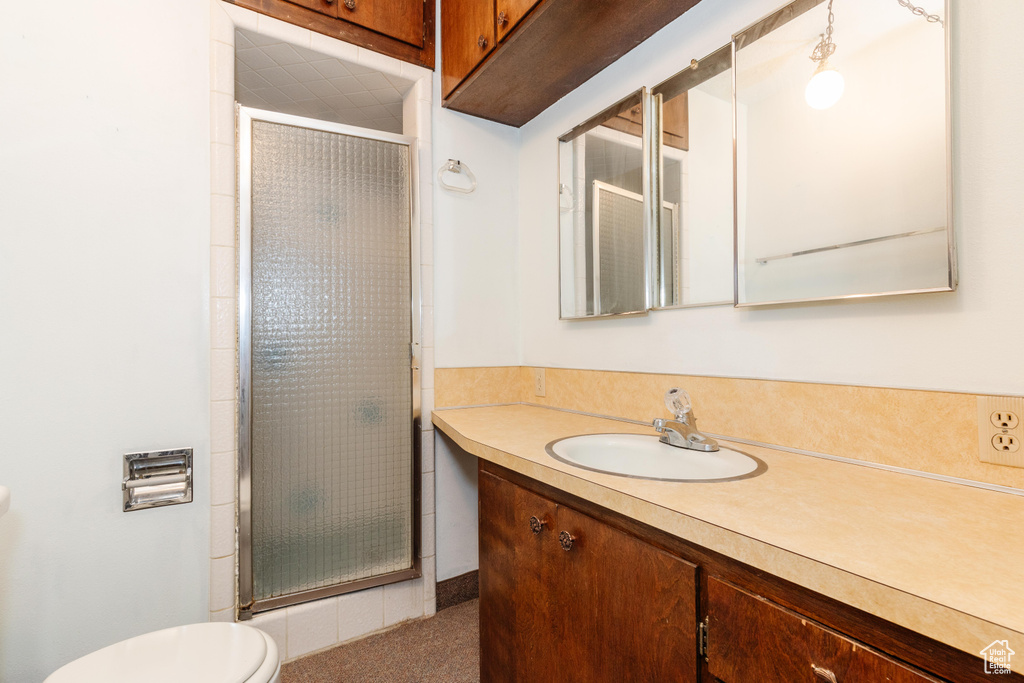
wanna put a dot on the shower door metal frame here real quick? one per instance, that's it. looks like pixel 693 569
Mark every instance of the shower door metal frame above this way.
pixel 247 605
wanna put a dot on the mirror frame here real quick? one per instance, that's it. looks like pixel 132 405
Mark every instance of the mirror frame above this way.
pixel 642 97
pixel 766 25
pixel 696 73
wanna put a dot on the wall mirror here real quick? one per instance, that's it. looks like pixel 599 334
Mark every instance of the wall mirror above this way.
pixel 602 242
pixel 692 237
pixel 843 180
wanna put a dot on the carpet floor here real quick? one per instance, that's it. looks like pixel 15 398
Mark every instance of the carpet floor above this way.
pixel 444 649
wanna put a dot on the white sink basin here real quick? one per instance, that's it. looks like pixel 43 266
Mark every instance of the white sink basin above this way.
pixel 644 457
pixel 5 500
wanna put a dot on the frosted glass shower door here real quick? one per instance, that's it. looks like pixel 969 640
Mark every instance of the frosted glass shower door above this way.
pixel 330 405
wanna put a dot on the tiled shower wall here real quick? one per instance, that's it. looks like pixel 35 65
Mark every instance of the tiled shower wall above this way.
pixel 305 628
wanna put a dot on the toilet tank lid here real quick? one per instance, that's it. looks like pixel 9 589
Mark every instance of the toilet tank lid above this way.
pixel 198 653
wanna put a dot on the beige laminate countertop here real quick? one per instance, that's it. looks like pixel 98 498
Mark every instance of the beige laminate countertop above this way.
pixel 945 560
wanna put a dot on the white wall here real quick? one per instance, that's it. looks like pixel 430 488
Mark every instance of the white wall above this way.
pixel 104 320
pixel 968 340
pixel 475 245
pixel 476 277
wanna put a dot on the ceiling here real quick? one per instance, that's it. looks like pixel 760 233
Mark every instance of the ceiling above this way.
pixel 270 74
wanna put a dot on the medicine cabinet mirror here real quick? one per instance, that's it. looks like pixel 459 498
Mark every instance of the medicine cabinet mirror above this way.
pixel 602 241
pixel 692 238
pixel 843 181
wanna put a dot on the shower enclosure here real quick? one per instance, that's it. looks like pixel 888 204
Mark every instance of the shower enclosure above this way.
pixel 328 360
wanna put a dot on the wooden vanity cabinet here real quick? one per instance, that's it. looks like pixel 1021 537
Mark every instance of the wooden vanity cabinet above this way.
pixel 627 602
pixel 564 597
pixel 755 640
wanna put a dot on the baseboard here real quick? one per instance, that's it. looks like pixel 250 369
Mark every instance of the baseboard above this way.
pixel 459 589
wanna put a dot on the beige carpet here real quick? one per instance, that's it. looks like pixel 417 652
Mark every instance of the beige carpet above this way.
pixel 444 648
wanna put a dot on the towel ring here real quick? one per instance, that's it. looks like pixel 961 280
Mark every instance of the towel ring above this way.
pixel 455 166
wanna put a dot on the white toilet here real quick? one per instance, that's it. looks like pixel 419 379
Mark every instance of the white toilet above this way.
pixel 197 653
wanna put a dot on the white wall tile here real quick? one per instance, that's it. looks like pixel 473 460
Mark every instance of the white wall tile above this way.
pixel 427 452
pixel 427 329
pixel 379 62
pixel 222 426
pixel 360 613
pixel 427 367
pixel 334 48
pixel 222 375
pixel 222 272
pixel 429 578
pixel 426 195
pixel 222 116
pixel 403 601
pixel 427 285
pixel 221 26
pixel 223 615
pixel 412 72
pixel 426 239
pixel 275 625
pixel 312 626
pixel 222 169
pixel 241 17
pixel 269 27
pixel 222 65
pixel 222 220
pixel 427 537
pixel 427 493
pixel 222 323
pixel 222 583
pixel 426 406
pixel 222 530
pixel 222 478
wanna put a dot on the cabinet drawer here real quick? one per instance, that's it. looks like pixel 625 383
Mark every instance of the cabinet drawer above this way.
pixel 751 640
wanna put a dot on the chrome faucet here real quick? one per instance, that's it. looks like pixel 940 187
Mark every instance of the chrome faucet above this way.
pixel 682 432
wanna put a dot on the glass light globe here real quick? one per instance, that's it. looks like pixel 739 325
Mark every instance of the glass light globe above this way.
pixel 824 89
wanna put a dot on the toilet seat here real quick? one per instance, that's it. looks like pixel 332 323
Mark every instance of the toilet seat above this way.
pixel 197 653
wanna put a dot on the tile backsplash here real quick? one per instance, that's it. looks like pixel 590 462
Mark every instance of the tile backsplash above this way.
pixel 930 431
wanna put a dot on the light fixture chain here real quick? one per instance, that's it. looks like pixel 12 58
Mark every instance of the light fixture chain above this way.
pixel 919 11
pixel 824 49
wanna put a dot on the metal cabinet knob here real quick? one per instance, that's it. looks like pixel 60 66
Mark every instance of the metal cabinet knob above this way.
pixel 502 18
pixel 351 4
pixel 823 673
pixel 536 525
pixel 481 41
pixel 566 540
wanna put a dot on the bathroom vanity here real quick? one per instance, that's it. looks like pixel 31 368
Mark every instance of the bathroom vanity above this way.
pixel 814 570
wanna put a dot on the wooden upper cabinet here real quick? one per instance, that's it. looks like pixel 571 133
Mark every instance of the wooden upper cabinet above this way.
pixel 547 49
pixel 467 37
pixel 403 29
pixel 401 19
pixel 328 7
pixel 510 12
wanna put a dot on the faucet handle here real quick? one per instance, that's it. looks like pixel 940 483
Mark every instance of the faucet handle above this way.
pixel 678 402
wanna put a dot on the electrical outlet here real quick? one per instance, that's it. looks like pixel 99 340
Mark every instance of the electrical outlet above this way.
pixel 538 382
pixel 1000 432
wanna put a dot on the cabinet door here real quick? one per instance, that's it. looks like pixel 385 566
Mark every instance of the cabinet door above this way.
pixel 626 611
pixel 517 633
pixel 401 19
pixel 467 37
pixel 751 639
pixel 510 12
